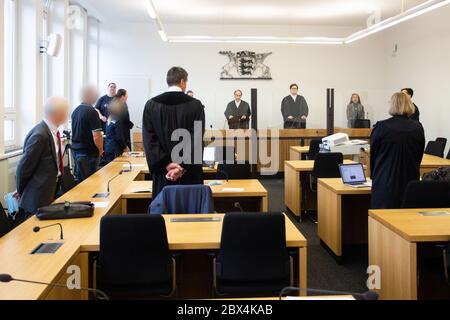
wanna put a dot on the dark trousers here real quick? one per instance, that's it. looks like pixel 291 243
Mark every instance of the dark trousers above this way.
pixel 85 165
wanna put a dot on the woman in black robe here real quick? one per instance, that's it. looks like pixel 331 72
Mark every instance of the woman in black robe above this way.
pixel 396 152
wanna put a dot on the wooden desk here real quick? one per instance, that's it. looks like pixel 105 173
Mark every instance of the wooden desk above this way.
pixel 16 246
pixel 140 163
pixel 191 237
pixel 393 239
pixel 430 163
pixel 293 171
pixel 341 214
pixel 298 152
pixel 251 189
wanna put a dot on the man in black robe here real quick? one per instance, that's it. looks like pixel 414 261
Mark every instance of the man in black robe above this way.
pixel 164 115
pixel 238 112
pixel 294 109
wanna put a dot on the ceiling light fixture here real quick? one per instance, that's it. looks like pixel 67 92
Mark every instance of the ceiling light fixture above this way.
pixel 257 40
pixel 150 9
pixel 402 17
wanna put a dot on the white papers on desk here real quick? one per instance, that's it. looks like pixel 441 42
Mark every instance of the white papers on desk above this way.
pixel 134 166
pixel 100 204
pixel 232 190
pixel 434 213
pixel 142 190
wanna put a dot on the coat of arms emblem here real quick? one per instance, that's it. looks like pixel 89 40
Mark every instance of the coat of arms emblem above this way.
pixel 246 65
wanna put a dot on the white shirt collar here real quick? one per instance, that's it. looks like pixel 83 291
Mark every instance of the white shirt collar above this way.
pixel 238 103
pixel 52 127
pixel 294 97
pixel 174 89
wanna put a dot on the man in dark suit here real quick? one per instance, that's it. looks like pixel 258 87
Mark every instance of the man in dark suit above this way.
pixel 174 114
pixel 410 92
pixel 41 166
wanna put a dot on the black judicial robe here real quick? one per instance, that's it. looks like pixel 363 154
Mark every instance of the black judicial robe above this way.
pixel 237 113
pixel 416 115
pixel 396 151
pixel 127 126
pixel 162 116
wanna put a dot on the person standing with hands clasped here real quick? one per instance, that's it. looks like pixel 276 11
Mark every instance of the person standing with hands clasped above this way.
pixel 294 109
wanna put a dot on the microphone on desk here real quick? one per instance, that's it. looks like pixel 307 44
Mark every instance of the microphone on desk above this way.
pixel 369 295
pixel 237 205
pixel 125 161
pixel 61 236
pixel 110 180
pixel 6 278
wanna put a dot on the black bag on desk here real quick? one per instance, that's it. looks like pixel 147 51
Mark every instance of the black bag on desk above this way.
pixel 441 174
pixel 67 210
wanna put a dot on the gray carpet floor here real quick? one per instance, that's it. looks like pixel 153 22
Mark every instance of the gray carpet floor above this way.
pixel 323 270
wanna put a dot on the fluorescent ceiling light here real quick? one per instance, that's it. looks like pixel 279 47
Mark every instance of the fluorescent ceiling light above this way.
pixel 163 35
pixel 402 17
pixel 150 9
pixel 256 40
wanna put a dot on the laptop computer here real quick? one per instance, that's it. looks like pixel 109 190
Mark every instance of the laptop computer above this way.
pixel 353 175
pixel 209 156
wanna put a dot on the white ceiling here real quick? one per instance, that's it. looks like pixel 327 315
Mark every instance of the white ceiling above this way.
pixel 255 12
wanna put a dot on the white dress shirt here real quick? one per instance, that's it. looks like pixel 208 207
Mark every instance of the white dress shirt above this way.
pixel 54 131
pixel 294 97
pixel 238 103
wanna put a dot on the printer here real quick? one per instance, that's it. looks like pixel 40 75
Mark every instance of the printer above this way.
pixel 340 142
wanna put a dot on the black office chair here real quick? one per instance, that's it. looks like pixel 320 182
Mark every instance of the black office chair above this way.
pixel 326 165
pixel 427 194
pixel 134 259
pixel 435 149
pixel 442 140
pixel 253 258
pixel 6 224
pixel 83 166
pixel 448 155
pixel 235 171
pixel 314 149
pixel 362 124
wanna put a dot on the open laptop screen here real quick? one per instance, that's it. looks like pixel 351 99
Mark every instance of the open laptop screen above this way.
pixel 352 173
pixel 209 155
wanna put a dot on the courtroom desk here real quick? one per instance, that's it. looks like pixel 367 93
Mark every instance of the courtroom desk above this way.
pixel 195 240
pixel 15 247
pixel 298 153
pixel 430 163
pixel 281 139
pixel 251 195
pixel 293 191
pixel 395 237
pixel 341 214
pixel 140 163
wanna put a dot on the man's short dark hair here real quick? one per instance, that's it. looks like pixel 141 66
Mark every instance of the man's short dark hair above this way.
pixel 175 75
pixel 112 83
pixel 293 85
pixel 410 91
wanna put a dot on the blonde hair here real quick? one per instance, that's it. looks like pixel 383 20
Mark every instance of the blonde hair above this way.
pixel 401 105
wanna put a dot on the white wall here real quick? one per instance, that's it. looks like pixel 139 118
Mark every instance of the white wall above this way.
pixel 423 63
pixel 135 50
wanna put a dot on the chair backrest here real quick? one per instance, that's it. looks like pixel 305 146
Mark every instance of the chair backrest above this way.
pixel 435 149
pixel 362 124
pixel 133 250
pixel 5 223
pixel 326 165
pixel 253 248
pixel 83 166
pixel 183 199
pixel 427 194
pixel 235 171
pixel 314 148
pixel 448 155
pixel 442 140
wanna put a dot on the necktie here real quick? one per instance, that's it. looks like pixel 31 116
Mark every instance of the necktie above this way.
pixel 60 157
